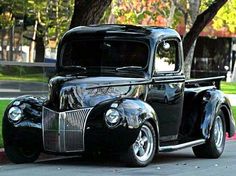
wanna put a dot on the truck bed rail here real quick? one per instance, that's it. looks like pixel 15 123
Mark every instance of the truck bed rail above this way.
pixel 204 82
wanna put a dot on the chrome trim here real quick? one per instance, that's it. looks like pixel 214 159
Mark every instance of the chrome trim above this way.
pixel 181 146
pixel 73 121
pixel 144 82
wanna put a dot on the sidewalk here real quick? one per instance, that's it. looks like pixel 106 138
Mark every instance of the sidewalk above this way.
pixel 232 99
pixel 9 89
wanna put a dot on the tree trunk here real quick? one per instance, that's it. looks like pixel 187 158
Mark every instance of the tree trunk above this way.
pixel 188 62
pixel 194 6
pixel 233 78
pixel 171 15
pixel 88 12
pixel 202 20
pixel 11 43
pixel 4 44
pixel 32 45
pixel 40 49
pixel 199 24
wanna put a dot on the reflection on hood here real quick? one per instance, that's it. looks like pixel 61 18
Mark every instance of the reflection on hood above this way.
pixel 89 91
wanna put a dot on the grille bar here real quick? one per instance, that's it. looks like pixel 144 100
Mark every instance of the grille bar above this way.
pixel 64 131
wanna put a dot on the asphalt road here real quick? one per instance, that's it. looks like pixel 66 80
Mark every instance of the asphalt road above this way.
pixel 179 163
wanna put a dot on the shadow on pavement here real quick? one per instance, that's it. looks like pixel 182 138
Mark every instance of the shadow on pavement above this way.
pixel 109 161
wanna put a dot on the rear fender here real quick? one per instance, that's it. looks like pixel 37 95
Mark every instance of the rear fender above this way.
pixel 213 101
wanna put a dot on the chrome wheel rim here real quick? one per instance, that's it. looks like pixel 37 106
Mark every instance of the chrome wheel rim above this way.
pixel 143 146
pixel 218 132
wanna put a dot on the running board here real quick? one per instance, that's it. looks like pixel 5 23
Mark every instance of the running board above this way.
pixel 181 146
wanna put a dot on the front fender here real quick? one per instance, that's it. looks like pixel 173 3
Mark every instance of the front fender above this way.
pixel 136 112
pixel 213 101
pixel 30 125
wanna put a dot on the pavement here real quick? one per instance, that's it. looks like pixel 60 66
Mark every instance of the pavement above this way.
pixel 232 99
pixel 178 163
pixel 11 89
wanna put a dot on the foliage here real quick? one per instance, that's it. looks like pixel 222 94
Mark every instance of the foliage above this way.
pixel 52 16
pixel 154 12
pixel 10 12
pixel 145 12
pixel 226 17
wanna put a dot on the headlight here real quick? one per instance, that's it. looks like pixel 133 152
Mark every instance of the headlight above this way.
pixel 15 114
pixel 112 117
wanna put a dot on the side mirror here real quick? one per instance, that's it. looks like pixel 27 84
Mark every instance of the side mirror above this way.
pixel 166 46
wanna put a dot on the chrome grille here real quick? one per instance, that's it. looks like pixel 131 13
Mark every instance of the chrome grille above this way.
pixel 64 131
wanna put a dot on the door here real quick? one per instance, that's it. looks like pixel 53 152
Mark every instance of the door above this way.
pixel 166 94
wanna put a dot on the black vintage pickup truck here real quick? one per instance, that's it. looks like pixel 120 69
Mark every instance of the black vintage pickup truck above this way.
pixel 119 89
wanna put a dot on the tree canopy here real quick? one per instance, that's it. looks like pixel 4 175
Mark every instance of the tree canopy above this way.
pixel 225 18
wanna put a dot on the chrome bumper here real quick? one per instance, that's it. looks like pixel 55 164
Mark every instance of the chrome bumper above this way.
pixel 64 131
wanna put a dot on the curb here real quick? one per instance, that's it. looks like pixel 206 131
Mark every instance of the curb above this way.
pixel 43 156
pixel 3 157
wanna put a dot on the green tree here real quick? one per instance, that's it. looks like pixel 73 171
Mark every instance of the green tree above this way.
pixel 50 18
pixel 199 23
pixel 42 21
pixel 10 17
pixel 225 18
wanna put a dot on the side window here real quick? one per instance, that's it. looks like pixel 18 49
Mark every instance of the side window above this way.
pixel 166 57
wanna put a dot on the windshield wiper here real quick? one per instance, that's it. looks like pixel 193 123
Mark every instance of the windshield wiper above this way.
pixel 129 68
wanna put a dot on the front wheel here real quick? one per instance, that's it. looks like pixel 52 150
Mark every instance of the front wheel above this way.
pixel 142 151
pixel 214 146
pixel 22 154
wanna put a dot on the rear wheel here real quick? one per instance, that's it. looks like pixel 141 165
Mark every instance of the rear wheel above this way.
pixel 214 146
pixel 143 150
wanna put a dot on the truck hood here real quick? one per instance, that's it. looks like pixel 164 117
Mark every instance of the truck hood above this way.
pixel 73 92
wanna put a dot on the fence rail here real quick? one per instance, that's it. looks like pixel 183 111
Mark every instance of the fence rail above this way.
pixel 25 64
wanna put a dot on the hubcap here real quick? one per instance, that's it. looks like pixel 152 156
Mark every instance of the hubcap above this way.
pixel 143 146
pixel 218 132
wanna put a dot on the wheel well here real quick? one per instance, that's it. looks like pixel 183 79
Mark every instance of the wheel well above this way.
pixel 227 117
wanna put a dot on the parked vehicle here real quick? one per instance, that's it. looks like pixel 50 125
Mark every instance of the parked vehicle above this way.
pixel 106 97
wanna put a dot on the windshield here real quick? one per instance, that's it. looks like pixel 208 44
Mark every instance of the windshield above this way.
pixel 105 53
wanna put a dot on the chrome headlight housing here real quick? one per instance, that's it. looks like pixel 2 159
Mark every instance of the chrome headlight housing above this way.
pixel 112 117
pixel 15 114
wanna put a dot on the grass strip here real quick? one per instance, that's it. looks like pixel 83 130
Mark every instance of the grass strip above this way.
pixel 228 88
pixel 3 105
